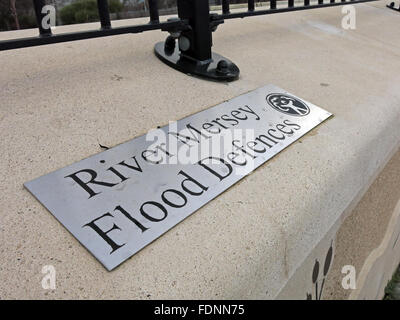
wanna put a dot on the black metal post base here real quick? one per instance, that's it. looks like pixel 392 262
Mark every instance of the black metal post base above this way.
pixel 218 68
pixel 391 6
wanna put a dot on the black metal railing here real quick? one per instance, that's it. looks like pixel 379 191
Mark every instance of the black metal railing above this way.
pixel 47 37
pixel 290 7
pixel 192 30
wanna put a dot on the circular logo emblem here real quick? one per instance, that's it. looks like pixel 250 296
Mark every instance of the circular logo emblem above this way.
pixel 287 104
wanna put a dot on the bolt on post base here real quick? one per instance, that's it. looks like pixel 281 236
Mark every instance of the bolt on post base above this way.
pixel 218 68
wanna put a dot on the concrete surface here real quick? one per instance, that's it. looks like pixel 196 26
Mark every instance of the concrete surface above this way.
pixel 59 102
pixel 366 237
pixel 375 221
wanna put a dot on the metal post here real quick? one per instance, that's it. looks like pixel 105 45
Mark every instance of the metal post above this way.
pixel 290 3
pixel 153 6
pixel 251 5
pixel 104 14
pixel 272 4
pixel 197 42
pixel 225 6
pixel 193 54
pixel 38 6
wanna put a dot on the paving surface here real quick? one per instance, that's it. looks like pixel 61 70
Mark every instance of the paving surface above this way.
pixel 59 102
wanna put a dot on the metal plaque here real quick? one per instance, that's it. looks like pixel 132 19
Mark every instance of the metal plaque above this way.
pixel 118 201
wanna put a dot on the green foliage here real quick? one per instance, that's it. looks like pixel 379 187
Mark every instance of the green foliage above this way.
pixel 25 14
pixel 392 290
pixel 27 21
pixel 86 11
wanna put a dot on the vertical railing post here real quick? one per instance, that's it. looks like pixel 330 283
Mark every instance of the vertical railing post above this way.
pixel 250 5
pixel 153 8
pixel 195 43
pixel 193 54
pixel 225 6
pixel 38 6
pixel 272 4
pixel 104 14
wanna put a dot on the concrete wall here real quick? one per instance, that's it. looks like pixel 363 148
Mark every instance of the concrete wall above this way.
pixel 366 237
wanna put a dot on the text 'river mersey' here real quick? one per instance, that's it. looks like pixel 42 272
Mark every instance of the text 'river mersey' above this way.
pixel 118 201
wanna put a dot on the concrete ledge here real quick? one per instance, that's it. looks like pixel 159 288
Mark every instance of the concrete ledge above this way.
pixel 366 237
pixel 60 101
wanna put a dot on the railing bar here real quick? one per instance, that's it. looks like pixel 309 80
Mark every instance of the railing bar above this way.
pixel 320 1
pixel 282 10
pixel 225 6
pixel 38 6
pixel 250 5
pixel 272 4
pixel 73 36
pixel 104 14
pixel 153 6
pixel 306 2
pixel 290 3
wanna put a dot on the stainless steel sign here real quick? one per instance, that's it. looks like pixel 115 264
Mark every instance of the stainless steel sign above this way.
pixel 118 201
